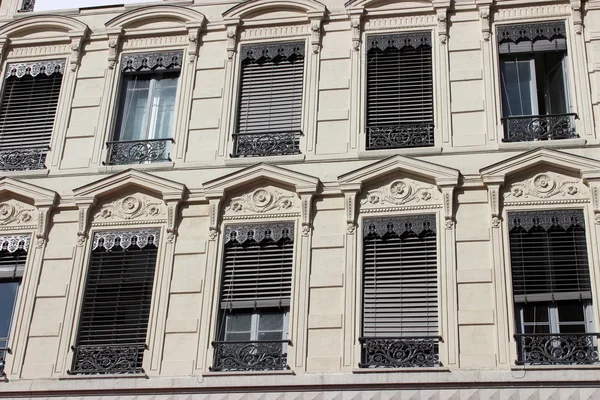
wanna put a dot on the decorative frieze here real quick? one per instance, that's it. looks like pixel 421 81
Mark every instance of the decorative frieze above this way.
pixel 130 208
pixel 263 200
pixel 399 192
pixel 400 22
pixel 546 186
pixel 542 11
pixel 38 51
pixel 155 42
pixel 272 32
pixel 125 238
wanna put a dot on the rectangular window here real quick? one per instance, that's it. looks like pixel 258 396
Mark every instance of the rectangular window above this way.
pixel 533 80
pixel 269 118
pixel 116 303
pixel 551 287
pixel 400 308
pixel 146 114
pixel 27 113
pixel 255 297
pixel 399 91
pixel 13 255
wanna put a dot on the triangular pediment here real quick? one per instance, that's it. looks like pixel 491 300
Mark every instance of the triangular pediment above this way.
pixel 301 183
pixel 38 195
pixel 164 188
pixel 583 166
pixel 439 174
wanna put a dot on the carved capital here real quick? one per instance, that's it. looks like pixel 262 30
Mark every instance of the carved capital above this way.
pixel 577 16
pixel 232 30
pixel 442 16
pixel 305 214
pixel 213 215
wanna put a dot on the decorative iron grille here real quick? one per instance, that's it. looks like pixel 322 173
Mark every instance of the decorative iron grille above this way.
pixel 406 352
pixel 256 355
pixel 539 127
pixel 119 359
pixel 266 144
pixel 27 6
pixel 138 151
pixel 23 159
pixel 557 349
pixel 395 137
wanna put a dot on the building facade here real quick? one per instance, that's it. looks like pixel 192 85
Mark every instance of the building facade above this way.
pixel 377 199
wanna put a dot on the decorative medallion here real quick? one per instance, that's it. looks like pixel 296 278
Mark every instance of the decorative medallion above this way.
pixel 543 186
pixel 398 192
pixel 132 207
pixel 261 201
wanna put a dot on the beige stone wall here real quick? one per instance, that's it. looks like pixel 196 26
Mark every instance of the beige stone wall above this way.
pixel 469 171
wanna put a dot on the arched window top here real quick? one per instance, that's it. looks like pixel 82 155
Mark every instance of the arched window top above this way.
pixel 262 8
pixel 45 26
pixel 146 16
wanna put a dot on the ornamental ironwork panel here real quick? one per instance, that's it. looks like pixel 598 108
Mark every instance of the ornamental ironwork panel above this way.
pixel 399 352
pixel 539 127
pixel 273 50
pixel 12 243
pixel 399 40
pixel 399 224
pixel 151 61
pixel 531 32
pixel 266 144
pixel 125 239
pixel 35 68
pixel 27 6
pixel 259 232
pixel 23 159
pixel 396 137
pixel 138 151
pixel 118 359
pixel 3 352
pixel 250 355
pixel 557 349
pixel 545 218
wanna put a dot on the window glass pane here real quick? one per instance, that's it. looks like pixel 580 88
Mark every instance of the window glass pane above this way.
pixel 134 108
pixel 240 322
pixel 163 106
pixel 535 313
pixel 270 322
pixel 572 328
pixel 237 336
pixel 556 102
pixel 570 312
pixel 516 80
pixel 270 335
pixel 8 294
pixel 537 329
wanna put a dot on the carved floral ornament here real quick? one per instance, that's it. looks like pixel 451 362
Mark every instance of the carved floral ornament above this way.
pixel 545 185
pixel 399 192
pixel 132 207
pixel 17 214
pixel 263 200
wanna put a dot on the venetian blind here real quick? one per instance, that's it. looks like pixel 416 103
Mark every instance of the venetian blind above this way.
pixel 400 277
pixel 118 289
pixel 257 266
pixel 400 82
pixel 271 84
pixel 529 38
pixel 548 255
pixel 29 102
pixel 13 255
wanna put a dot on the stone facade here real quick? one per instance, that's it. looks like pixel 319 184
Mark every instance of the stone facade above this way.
pixel 470 179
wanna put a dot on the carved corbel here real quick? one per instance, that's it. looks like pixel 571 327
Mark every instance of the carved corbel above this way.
pixel 172 210
pixel 315 34
pixel 193 35
pixel 113 48
pixel 355 25
pixel 83 223
pixel 577 16
pixel 232 31
pixel 43 223
pixel 442 16
pixel 448 196
pixel 350 205
pixel 493 186
pixel 484 15
pixel 77 40
pixel 306 200
pixel 213 215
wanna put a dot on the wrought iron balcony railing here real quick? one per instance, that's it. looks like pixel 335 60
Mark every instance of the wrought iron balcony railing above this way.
pixel 27 6
pixel 3 352
pixel 98 360
pixel 539 127
pixel 258 355
pixel 407 352
pixel 138 151
pixel 23 159
pixel 397 137
pixel 266 144
pixel 557 349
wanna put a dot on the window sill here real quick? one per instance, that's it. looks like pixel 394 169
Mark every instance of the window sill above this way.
pixel 109 169
pixel 412 151
pixel 554 367
pixel 247 161
pixel 26 174
pixel 103 376
pixel 578 142
pixel 402 370
pixel 248 373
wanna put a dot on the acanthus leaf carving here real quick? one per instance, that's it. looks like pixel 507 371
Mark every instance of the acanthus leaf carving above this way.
pixel 262 200
pixel 545 186
pixel 399 192
pixel 132 207
pixel 13 213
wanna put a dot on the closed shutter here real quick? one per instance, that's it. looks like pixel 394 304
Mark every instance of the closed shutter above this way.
pixel 13 256
pixel 399 91
pixel 400 277
pixel 548 254
pixel 271 88
pixel 257 266
pixel 29 102
pixel 117 297
pixel 529 38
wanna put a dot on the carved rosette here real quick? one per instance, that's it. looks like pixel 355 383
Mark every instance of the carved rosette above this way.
pixel 261 201
pixel 13 213
pixel 398 193
pixel 545 185
pixel 132 207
